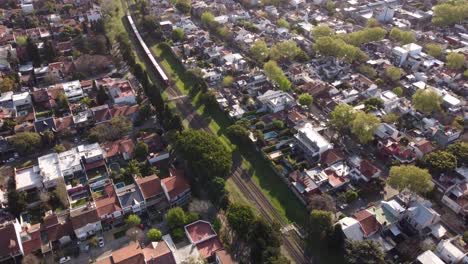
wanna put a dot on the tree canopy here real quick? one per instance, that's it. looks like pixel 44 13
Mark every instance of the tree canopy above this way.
pixel 6 84
pixel 441 161
pixel 401 36
pixel 409 176
pixel 342 116
pixel 132 220
pixel 178 34
pixel 455 60
pixel 118 127
pixel 364 125
pixel 364 252
pixel 175 217
pixel 238 132
pixel 394 73
pixel 274 72
pixel 435 50
pixel 330 46
pixel 322 31
pixel 154 235
pixel 366 35
pixel 305 99
pixel 426 101
pixel 319 224
pixel 26 142
pixel 204 153
pixel 183 6
pixel 282 23
pixel 460 151
pixel 259 51
pixel 450 12
pixel 284 51
pixel 240 218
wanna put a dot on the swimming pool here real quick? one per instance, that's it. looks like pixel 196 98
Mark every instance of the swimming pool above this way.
pixel 119 185
pixel 270 135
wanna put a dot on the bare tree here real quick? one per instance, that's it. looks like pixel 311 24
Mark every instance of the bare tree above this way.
pixel 322 202
pixel 61 192
pixel 44 196
pixel 134 234
pixel 30 259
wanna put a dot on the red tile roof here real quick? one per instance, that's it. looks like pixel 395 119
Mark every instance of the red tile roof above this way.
pixel 150 186
pixel 114 148
pixel 9 244
pixel 108 203
pixel 177 184
pixel 367 221
pixel 331 156
pixel 200 231
pixel 93 165
pixel 125 110
pixel 63 123
pixel 425 146
pixel 84 217
pixel 131 254
pixel 158 253
pixel 368 169
pixel 209 247
pixel 34 243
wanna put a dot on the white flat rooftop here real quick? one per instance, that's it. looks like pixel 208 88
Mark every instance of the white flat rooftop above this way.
pixel 49 166
pixel 28 178
pixel 69 158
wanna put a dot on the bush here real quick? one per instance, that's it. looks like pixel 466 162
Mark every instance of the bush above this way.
pixel 178 234
pixel 154 235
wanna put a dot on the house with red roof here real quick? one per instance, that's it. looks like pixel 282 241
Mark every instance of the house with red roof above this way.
pixel 120 149
pixel 152 191
pixel 364 169
pixel 108 205
pixel 134 253
pixel 10 242
pixel 202 235
pixel 120 90
pixel 176 187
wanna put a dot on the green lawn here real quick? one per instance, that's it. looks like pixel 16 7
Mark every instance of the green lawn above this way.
pixel 272 186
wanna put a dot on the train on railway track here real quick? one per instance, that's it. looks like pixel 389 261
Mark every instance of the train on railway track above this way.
pixel 147 51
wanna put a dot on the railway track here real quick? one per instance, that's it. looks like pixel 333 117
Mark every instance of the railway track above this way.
pixel 291 241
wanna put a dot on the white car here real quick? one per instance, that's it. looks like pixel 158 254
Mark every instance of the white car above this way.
pixel 64 259
pixel 101 241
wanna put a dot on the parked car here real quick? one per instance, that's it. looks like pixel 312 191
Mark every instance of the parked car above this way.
pixel 101 241
pixel 65 259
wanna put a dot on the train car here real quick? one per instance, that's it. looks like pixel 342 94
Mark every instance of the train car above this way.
pixel 147 51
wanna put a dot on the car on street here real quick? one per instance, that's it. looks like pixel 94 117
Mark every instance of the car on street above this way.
pixel 65 259
pixel 101 242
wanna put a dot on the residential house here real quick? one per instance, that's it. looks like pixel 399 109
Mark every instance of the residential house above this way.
pixel 275 101
pixel 446 135
pixel 456 198
pixel 420 217
pixel 28 178
pixel 202 235
pixel 85 221
pixel 73 91
pixel 428 257
pixel 306 184
pixel 108 205
pixel 10 244
pixel 120 149
pixel 131 199
pixel 120 91
pixel 450 253
pixel 176 188
pixel 152 191
pixel 31 238
pixel 421 147
pixel 134 253
pixel 128 111
pixel 101 113
pixel 310 141
pixel 364 169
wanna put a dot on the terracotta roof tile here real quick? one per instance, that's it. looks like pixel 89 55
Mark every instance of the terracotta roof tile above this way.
pixel 177 184
pixel 150 186
pixel 84 217
pixel 9 244
pixel 131 254
pixel 367 221
pixel 331 156
pixel 158 253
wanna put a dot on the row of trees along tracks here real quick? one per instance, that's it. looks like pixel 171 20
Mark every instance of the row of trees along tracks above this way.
pixel 291 241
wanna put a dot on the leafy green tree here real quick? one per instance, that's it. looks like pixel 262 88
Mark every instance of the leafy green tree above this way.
pixel 401 36
pixel 398 91
pixel 322 31
pixel 132 220
pixel 372 22
pixel 217 190
pixel 183 6
pixel 364 126
pixel 282 23
pixel 465 73
pixel 208 20
pixel 366 35
pixel 367 70
pixel 7 84
pixel 335 47
pixel 441 161
pixel 342 116
pixel 411 177
pixel 426 101
pixel 364 252
pixel 50 53
pixel 373 103
pixel 394 73
pixel 460 151
pixel 259 51
pixel 455 60
pixel 26 142
pixel 118 127
pixel 240 219
pixel 336 238
pixel 16 202
pixel 265 242
pixel 284 51
pixel 305 99
pixel 238 133
pixel 154 235
pixel 141 150
pixel 62 101
pixel 228 81
pixel 465 236
pixel 449 13
pixel 175 217
pixel 320 223
pixel 178 34
pixel 204 153
pixel 274 72
pixel 278 124
pixel 435 50
pixel 390 118
pixel 351 196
